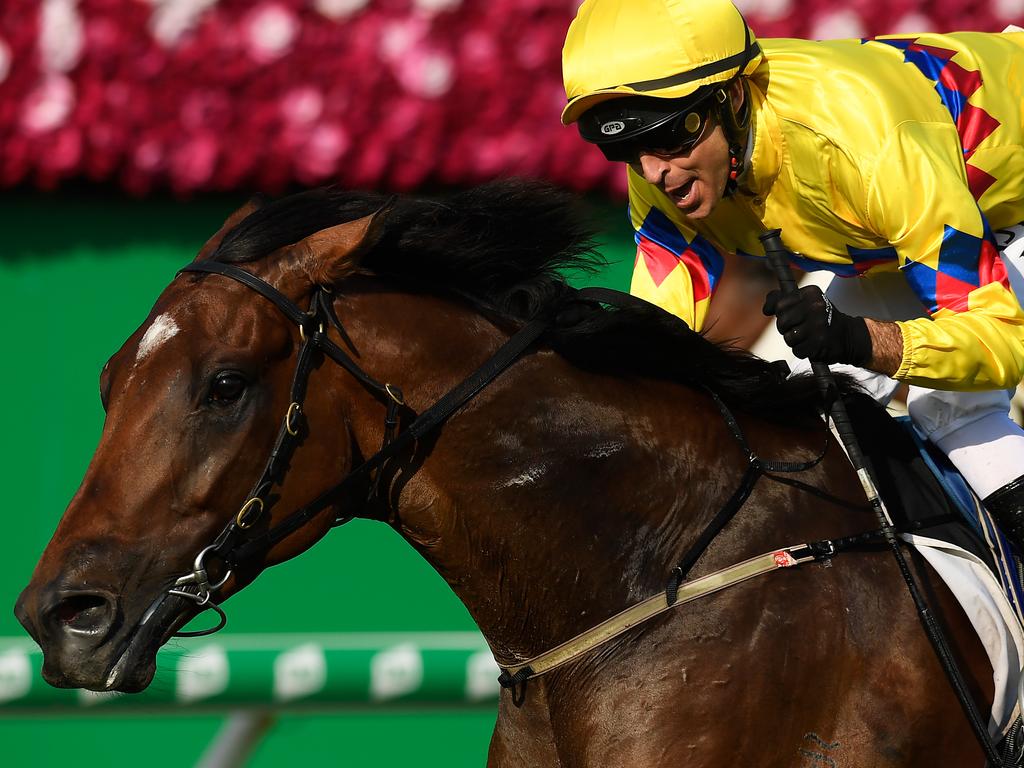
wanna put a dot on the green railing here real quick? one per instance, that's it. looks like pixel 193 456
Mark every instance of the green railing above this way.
pixel 277 671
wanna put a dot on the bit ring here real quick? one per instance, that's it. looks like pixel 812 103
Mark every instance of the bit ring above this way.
pixel 242 518
pixel 395 394
pixel 289 419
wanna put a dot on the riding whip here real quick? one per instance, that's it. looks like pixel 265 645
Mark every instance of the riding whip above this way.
pixel 778 259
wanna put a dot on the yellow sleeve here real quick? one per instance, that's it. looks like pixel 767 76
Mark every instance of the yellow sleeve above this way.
pixel 675 268
pixel 919 200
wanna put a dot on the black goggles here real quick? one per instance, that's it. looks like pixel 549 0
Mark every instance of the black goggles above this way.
pixel 625 128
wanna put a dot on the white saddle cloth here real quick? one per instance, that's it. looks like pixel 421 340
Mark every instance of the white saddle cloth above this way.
pixel 994 619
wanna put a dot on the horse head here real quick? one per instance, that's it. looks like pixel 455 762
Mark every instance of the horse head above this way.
pixel 188 399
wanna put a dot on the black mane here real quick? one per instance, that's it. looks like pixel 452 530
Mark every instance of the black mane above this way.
pixel 505 247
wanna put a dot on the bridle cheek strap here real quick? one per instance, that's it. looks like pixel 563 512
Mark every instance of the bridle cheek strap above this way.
pixel 237 542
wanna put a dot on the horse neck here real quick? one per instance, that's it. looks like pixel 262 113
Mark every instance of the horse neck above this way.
pixel 554 499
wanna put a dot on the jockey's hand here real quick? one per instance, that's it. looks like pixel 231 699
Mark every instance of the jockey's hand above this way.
pixel 816 330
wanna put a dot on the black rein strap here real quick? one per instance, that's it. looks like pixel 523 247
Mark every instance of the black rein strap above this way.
pixel 236 546
pixel 756 466
pixel 431 418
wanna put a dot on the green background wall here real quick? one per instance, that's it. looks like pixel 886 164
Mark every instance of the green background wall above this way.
pixel 78 273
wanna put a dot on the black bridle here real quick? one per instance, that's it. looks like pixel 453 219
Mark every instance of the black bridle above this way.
pixel 237 543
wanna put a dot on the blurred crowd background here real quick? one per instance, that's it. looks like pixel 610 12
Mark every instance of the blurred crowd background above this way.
pixel 130 128
pixel 195 96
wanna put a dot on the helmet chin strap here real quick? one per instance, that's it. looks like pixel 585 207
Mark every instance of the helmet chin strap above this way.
pixel 736 126
pixel 736 167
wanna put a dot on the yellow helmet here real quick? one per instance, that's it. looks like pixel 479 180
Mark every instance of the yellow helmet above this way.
pixel 659 48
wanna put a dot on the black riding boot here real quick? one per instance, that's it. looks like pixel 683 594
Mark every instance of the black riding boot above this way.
pixel 1007 506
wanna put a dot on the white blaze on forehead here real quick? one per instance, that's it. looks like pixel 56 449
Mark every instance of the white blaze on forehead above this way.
pixel 160 331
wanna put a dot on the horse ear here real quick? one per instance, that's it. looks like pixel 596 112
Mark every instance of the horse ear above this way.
pixel 232 221
pixel 333 253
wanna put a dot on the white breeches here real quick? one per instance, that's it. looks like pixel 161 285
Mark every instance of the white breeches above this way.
pixel 973 429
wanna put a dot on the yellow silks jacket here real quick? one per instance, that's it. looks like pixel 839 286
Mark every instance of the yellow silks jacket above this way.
pixel 891 153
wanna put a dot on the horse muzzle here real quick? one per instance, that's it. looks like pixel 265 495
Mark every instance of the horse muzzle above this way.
pixel 86 641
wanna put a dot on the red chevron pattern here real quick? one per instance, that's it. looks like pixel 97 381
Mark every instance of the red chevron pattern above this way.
pixel 955 85
pixel 974 126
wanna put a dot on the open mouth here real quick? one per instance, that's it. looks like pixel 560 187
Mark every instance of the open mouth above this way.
pixel 135 665
pixel 683 195
pixel 175 606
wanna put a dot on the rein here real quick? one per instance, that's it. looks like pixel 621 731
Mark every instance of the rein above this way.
pixel 236 543
pixel 677 591
pixel 779 258
pixel 512 675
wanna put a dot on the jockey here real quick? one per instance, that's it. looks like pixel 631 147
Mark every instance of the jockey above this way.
pixel 895 163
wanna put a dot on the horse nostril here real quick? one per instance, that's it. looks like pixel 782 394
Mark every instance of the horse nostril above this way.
pixel 87 612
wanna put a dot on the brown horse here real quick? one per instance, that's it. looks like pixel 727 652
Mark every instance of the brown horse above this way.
pixel 562 493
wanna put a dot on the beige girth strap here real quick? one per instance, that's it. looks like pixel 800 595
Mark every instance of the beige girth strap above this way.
pixel 652 606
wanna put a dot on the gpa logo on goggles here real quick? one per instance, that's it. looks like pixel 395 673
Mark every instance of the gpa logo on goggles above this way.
pixel 612 128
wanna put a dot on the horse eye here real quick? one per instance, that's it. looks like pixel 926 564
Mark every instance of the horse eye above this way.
pixel 227 387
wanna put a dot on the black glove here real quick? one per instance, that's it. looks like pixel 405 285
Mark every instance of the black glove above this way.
pixel 816 330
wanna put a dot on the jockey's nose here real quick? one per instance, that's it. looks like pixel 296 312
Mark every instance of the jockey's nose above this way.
pixel 652 168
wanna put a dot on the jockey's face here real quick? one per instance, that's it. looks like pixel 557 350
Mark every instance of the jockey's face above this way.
pixel 693 180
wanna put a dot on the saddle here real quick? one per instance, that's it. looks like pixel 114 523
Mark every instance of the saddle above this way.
pixel 936 512
pixel 923 492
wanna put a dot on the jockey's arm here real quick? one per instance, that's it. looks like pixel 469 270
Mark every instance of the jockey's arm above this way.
pixel 886 346
pixel 920 201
